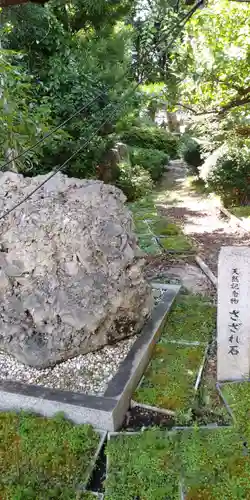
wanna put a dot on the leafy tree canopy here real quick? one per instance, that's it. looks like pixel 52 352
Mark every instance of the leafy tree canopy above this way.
pixel 211 64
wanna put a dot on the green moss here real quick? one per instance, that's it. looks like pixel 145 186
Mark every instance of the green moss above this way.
pixel 146 215
pixel 43 458
pixel 192 318
pixel 163 227
pixel 208 407
pixel 148 245
pixel 142 466
pixel 146 203
pixel 243 211
pixel 213 465
pixel 141 227
pixel 169 380
pixel 86 496
pixel 177 242
pixel 237 396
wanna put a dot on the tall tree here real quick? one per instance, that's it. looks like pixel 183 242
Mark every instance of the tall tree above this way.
pixel 212 63
pixel 71 54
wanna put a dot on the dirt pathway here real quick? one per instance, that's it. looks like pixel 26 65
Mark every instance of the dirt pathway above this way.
pixel 198 214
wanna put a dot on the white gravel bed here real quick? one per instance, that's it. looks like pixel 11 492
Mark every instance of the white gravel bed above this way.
pixel 88 373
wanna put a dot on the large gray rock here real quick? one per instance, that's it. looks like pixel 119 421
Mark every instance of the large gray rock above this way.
pixel 70 269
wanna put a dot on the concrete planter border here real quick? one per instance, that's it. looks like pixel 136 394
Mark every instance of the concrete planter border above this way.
pixel 162 411
pixel 202 427
pixel 199 375
pixel 206 270
pixel 229 410
pixel 183 342
pixel 103 412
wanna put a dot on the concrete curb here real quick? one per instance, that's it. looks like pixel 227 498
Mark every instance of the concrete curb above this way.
pixel 182 342
pixel 103 412
pixel 206 270
pixel 229 410
pixel 156 409
pixel 233 218
pixel 131 370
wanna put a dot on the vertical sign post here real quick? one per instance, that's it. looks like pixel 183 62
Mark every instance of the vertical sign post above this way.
pixel 233 318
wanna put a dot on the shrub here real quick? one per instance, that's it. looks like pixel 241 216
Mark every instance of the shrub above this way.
pixel 191 153
pixel 55 153
pixel 152 160
pixel 231 177
pixel 134 181
pixel 153 137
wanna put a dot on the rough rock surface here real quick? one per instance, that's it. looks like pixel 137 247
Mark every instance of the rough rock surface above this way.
pixel 70 269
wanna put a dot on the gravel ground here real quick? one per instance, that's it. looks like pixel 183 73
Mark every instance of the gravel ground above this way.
pixel 89 373
pixel 198 215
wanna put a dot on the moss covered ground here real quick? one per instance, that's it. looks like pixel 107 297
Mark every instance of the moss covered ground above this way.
pixel 214 465
pixel 192 318
pixel 148 222
pixel 170 378
pixel 142 466
pixel 44 458
pixel 211 464
pixel 237 396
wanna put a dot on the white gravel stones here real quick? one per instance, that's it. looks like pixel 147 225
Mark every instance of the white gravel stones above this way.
pixel 89 373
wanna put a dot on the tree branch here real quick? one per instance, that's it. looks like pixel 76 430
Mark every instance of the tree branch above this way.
pixel 241 99
pixel 199 4
pixel 196 113
pixel 235 103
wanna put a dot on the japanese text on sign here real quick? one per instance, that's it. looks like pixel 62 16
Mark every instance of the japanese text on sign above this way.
pixel 234 321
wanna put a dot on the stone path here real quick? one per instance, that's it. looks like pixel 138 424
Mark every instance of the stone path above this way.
pixel 198 214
